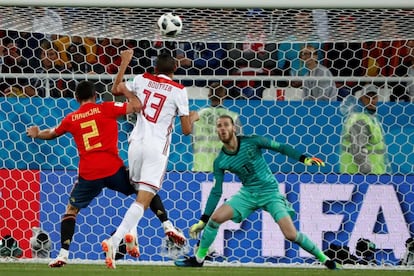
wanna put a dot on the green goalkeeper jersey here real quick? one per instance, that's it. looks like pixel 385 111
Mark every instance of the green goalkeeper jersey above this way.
pixel 248 163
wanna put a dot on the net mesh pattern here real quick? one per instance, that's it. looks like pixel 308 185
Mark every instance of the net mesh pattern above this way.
pixel 224 24
pixel 257 56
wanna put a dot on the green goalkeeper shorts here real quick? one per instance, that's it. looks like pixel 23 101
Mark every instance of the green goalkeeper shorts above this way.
pixel 244 203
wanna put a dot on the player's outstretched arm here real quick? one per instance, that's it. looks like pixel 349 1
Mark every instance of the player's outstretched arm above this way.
pixel 134 104
pixel 126 56
pixel 46 134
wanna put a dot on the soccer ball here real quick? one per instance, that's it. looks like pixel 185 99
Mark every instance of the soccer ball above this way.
pixel 170 24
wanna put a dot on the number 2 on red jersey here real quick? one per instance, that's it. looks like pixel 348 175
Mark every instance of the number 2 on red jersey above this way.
pixel 153 101
pixel 92 133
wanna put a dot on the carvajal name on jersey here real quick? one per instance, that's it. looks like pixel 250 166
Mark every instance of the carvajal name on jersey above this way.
pixel 88 113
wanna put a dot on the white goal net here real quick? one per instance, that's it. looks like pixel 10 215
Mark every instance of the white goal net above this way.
pixel 266 60
pixel 220 24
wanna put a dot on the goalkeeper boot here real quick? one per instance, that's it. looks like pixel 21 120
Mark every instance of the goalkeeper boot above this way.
pixel 174 234
pixel 211 254
pixel 188 262
pixel 131 245
pixel 61 259
pixel 330 264
pixel 108 248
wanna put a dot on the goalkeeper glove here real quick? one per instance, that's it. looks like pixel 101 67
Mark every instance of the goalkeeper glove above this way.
pixel 309 161
pixel 195 229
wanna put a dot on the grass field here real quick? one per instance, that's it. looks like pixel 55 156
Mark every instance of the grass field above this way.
pixel 36 269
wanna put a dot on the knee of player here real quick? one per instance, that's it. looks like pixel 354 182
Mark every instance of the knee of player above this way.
pixel 222 214
pixel 218 218
pixel 72 210
pixel 290 235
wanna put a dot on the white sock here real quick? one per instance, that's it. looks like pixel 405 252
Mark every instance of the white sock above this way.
pixel 64 253
pixel 167 225
pixel 134 231
pixel 130 220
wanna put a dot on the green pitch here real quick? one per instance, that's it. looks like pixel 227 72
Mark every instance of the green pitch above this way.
pixel 7 269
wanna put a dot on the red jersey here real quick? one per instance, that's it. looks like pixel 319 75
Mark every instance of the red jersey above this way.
pixel 95 130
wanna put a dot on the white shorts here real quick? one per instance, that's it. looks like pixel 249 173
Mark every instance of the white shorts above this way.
pixel 147 166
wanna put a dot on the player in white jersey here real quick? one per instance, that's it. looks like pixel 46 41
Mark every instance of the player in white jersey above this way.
pixel 163 100
pixel 150 139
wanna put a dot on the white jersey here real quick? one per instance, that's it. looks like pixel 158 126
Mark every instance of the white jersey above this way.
pixel 163 99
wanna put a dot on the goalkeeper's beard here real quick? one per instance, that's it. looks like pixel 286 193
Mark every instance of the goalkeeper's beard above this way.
pixel 225 137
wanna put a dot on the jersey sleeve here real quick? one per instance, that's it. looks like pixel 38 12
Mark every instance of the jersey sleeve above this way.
pixel 182 103
pixel 63 127
pixel 114 109
pixel 284 149
pixel 133 85
pixel 216 191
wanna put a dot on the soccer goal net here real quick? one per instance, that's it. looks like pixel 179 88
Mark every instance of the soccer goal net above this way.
pixel 292 72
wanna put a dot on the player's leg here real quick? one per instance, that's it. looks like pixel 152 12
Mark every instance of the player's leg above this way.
pixel 212 255
pixel 130 244
pixel 281 212
pixel 146 170
pixel 123 184
pixel 289 231
pixel 130 221
pixel 169 229
pixel 120 182
pixel 82 194
pixel 130 239
pixel 67 230
pixel 157 207
pixel 237 208
pixel 222 214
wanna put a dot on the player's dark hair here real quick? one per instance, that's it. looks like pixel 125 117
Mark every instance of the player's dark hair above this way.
pixel 165 64
pixel 225 116
pixel 85 90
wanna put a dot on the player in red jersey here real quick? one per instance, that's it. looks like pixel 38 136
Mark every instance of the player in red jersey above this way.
pixel 95 131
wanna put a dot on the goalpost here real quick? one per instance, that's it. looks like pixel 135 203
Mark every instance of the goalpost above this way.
pixel 332 208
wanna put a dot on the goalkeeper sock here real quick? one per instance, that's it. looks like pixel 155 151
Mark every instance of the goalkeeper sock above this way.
pixel 67 230
pixel 209 235
pixel 303 241
pixel 130 220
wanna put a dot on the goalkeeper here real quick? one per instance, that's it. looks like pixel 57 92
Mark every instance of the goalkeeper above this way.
pixel 242 155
